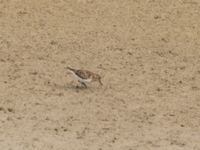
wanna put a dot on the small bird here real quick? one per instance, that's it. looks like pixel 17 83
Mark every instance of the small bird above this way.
pixel 85 76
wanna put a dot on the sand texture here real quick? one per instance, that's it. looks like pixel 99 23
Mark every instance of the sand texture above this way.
pixel 147 52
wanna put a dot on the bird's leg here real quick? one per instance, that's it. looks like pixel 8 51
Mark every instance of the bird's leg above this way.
pixel 85 86
pixel 82 83
pixel 100 82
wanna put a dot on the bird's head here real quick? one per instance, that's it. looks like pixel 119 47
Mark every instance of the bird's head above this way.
pixel 98 79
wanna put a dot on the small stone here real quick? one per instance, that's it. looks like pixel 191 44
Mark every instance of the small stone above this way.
pixel 129 53
pixel 10 110
pixel 34 73
pixel 56 129
pixel 157 17
pixel 63 62
pixel 65 130
pixel 60 94
pixel 133 39
pixel 2 109
pixel 158 89
pixel 53 42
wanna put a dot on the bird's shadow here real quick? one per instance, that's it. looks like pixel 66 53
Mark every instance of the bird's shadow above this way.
pixel 71 86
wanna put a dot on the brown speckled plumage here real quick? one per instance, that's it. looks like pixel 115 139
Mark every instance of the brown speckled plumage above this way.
pixel 85 76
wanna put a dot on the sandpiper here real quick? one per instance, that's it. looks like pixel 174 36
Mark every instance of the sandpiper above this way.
pixel 85 76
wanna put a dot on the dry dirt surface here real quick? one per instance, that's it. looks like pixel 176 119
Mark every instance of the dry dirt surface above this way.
pixel 147 52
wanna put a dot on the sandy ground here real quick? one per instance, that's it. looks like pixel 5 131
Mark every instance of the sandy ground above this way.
pixel 147 52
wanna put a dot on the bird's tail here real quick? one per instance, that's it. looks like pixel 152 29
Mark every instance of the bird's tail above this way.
pixel 71 69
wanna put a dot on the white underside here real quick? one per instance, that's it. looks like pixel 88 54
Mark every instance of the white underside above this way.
pixel 80 79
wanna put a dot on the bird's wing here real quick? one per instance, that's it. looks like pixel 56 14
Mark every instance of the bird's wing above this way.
pixel 83 74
